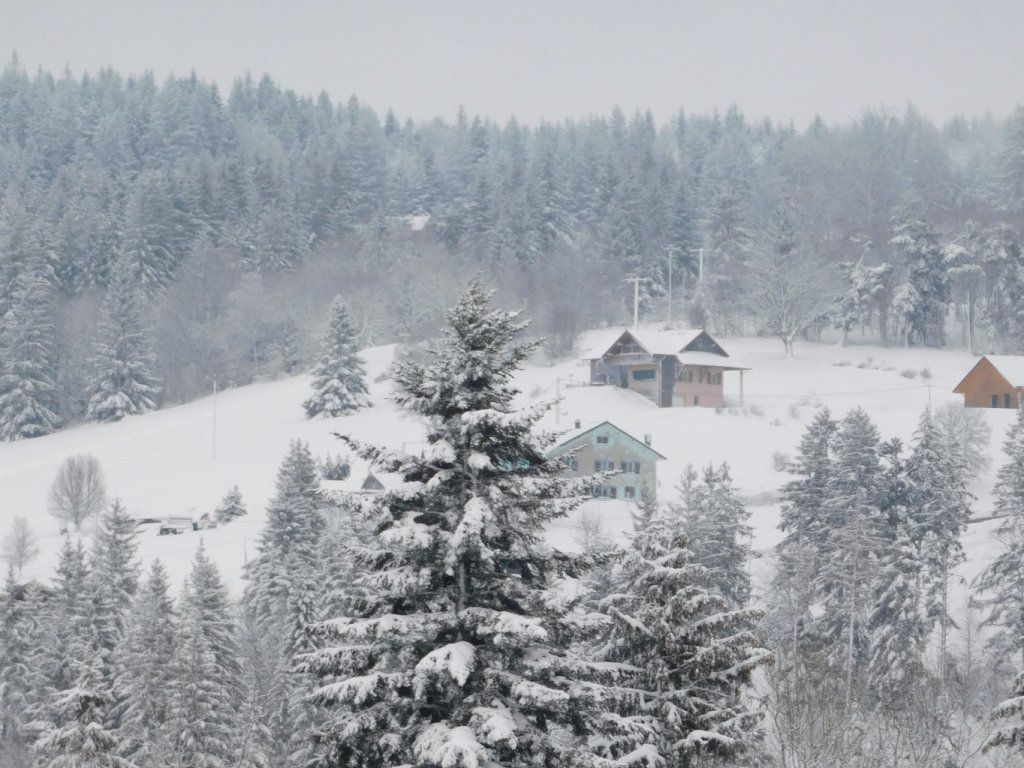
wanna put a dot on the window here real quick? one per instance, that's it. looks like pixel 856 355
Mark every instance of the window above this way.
pixel 642 375
pixel 573 463
pixel 696 400
pixel 604 465
pixel 995 401
pixel 602 439
pixel 629 492
pixel 605 491
pixel 1006 400
pixel 631 466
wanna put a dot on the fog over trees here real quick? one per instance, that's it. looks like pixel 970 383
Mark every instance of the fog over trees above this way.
pixel 179 227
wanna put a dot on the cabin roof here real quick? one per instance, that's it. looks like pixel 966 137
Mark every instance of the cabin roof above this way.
pixel 575 434
pixel 1010 367
pixel 654 342
pixel 710 359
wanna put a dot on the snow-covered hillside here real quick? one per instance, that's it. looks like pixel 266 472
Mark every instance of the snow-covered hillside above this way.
pixel 182 460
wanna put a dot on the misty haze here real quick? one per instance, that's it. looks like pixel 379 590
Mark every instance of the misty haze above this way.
pixel 462 385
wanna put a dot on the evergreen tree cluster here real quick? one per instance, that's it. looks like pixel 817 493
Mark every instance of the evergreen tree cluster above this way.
pixel 161 239
pixel 872 536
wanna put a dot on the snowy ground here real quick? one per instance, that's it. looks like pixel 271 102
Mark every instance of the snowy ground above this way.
pixel 182 460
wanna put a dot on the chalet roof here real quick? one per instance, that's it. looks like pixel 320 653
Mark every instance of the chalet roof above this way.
pixel 1010 367
pixel 711 359
pixel 574 434
pixel 654 342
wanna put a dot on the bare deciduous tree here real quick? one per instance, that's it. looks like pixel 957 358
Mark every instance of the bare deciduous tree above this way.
pixel 788 293
pixel 79 491
pixel 20 545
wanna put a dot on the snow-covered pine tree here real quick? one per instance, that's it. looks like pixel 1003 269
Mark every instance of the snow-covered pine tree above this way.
pixel 28 399
pixel 457 654
pixel 926 292
pixel 1003 581
pixel 207 670
pixel 686 658
pixel 847 568
pixel 339 379
pixel 805 529
pixel 79 737
pixel 230 507
pixel 898 623
pixel 122 382
pixel 284 596
pixel 113 578
pixel 941 506
pixel 145 674
pixel 67 631
pixel 19 638
pixel 715 524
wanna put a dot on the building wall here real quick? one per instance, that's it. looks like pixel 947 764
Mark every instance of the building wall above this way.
pixel 618 449
pixel 702 391
pixel 984 383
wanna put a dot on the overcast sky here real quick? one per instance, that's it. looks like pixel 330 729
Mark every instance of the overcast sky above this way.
pixel 558 58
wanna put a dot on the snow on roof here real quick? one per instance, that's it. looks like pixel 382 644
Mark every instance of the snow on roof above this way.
pixel 418 221
pixel 711 359
pixel 1011 367
pixel 655 341
pixel 572 434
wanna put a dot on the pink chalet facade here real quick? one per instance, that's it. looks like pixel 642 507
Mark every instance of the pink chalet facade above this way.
pixel 678 368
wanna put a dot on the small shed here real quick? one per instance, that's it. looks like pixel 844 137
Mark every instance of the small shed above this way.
pixel 995 381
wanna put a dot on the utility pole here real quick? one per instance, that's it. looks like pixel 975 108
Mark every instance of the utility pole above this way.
pixel 214 421
pixel 672 251
pixel 558 400
pixel 636 302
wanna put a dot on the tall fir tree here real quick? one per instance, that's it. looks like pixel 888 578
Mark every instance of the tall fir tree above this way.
pixel 1002 583
pixel 19 678
pixel 852 508
pixel 458 651
pixel 208 675
pixel 122 382
pixel 68 633
pixel 80 738
pixel 113 577
pixel 805 529
pixel 339 379
pixel 283 597
pixel 941 504
pixel 715 522
pixel 687 658
pixel 145 679
pixel 28 397
pixel 898 623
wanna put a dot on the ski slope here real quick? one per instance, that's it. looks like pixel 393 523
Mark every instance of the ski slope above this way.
pixel 183 459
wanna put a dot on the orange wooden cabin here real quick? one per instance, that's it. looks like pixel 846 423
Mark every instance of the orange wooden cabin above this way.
pixel 995 381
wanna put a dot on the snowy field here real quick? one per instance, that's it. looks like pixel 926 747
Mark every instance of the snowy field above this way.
pixel 182 460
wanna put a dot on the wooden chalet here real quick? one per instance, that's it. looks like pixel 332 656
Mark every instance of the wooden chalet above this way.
pixel 670 368
pixel 995 381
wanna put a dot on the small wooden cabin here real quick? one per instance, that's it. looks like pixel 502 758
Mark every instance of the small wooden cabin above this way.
pixel 995 381
pixel 671 368
pixel 605 447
